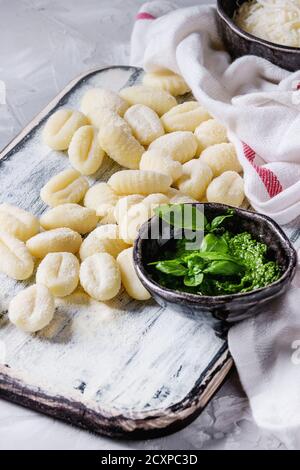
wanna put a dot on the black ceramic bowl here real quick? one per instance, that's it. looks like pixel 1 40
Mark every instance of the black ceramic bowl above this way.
pixel 239 43
pixel 233 307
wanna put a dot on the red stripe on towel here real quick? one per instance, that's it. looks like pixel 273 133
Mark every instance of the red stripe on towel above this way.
pixel 270 180
pixel 145 16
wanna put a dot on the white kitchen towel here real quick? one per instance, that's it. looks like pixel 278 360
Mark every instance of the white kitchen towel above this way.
pixel 258 102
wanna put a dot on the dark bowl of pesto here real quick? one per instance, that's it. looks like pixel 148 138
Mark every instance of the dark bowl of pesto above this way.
pixel 259 264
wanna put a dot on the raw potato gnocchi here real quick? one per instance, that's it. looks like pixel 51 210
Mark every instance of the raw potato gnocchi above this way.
pixel 85 153
pixel 209 133
pixel 221 158
pixel 139 182
pixel 153 160
pixel 15 259
pixel 177 197
pixel 227 188
pixel 68 186
pixel 130 280
pixel 77 218
pixel 158 100
pixel 195 179
pixel 168 81
pixel 144 123
pixel 103 98
pixel 124 204
pixel 184 117
pixel 116 139
pixel 181 145
pixel 100 276
pixel 60 239
pixel 61 126
pixel 104 239
pixel 59 272
pixel 101 198
pixel 18 222
pixel 32 309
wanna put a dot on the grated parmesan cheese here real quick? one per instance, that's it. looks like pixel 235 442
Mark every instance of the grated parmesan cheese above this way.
pixel 277 21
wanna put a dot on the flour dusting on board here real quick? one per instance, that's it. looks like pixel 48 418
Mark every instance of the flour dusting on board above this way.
pixel 122 354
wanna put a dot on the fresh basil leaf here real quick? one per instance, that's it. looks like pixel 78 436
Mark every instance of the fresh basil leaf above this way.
pixel 184 216
pixel 172 267
pixel 213 243
pixel 193 280
pixel 216 256
pixel 224 268
pixel 217 221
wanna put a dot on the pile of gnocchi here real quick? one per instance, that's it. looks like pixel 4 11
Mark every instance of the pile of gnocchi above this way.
pixel 173 153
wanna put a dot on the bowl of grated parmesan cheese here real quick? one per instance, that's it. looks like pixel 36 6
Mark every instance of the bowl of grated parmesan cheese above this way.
pixel 265 28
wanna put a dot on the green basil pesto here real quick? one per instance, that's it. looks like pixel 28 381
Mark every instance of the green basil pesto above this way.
pixel 225 263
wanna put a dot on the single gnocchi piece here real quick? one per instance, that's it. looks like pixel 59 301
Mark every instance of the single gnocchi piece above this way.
pixel 116 139
pixel 103 98
pixel 104 239
pixel 59 272
pixel 168 81
pixel 124 204
pixel 159 100
pixel 18 222
pixel 181 145
pixel 184 117
pixel 100 276
pixel 15 259
pixel 139 182
pixel 61 126
pixel 228 188
pixel 144 123
pixel 130 280
pixel 177 197
pixel 57 240
pixel 68 186
pixel 220 158
pixel 85 153
pixel 101 198
pixel 154 160
pixel 77 218
pixel 209 133
pixel 32 309
pixel 195 179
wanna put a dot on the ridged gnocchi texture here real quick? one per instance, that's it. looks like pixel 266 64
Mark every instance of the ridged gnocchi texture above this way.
pixel 61 126
pixel 101 198
pixel 116 139
pixel 57 240
pixel 209 133
pixel 103 98
pixel 130 280
pixel 100 276
pixel 59 272
pixel 32 309
pixel 227 188
pixel 195 179
pixel 15 259
pixel 154 160
pixel 104 239
pixel 184 117
pixel 139 182
pixel 159 100
pixel 18 222
pixel 124 204
pixel 220 158
pixel 68 186
pixel 77 218
pixel 168 81
pixel 181 145
pixel 85 153
pixel 144 123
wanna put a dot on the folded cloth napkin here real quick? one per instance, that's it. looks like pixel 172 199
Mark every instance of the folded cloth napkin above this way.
pixel 258 103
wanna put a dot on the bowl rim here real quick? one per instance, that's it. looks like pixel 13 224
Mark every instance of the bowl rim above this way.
pixel 158 289
pixel 225 17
